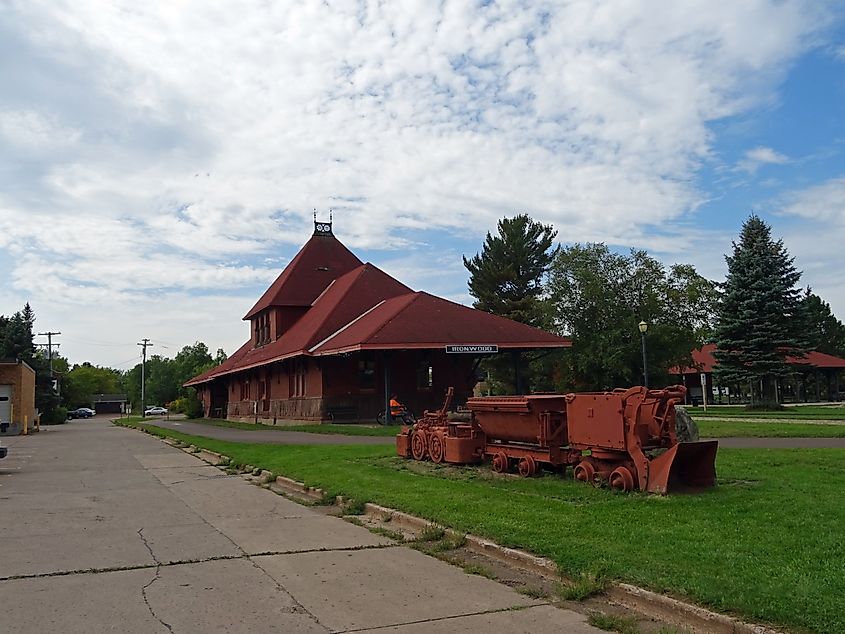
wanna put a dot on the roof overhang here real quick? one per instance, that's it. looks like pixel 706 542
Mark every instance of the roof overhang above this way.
pixel 439 345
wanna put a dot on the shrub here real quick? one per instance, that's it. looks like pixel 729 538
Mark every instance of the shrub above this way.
pixel 55 416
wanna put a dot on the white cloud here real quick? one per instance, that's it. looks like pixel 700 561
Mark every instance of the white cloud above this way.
pixel 824 202
pixel 758 156
pixel 815 237
pixel 195 139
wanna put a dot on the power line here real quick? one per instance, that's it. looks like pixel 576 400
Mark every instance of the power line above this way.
pixel 49 336
pixel 98 343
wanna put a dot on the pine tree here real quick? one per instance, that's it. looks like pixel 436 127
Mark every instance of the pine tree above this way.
pixel 759 315
pixel 506 278
pixel 825 332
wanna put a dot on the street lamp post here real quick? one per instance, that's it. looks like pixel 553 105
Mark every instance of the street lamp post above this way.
pixel 643 326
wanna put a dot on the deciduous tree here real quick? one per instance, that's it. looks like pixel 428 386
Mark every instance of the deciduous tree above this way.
pixel 600 297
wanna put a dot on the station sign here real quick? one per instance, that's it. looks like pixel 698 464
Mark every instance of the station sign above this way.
pixel 472 349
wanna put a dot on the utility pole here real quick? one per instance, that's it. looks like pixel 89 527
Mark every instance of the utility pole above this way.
pixel 50 344
pixel 145 343
pixel 49 336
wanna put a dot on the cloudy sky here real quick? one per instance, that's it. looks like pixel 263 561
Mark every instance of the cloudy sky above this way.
pixel 160 161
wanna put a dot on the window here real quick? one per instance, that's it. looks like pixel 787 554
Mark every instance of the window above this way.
pixel 367 371
pixel 425 375
pixel 261 329
pixel 297 379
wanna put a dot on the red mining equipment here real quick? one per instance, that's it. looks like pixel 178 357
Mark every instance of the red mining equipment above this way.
pixel 435 437
pixel 624 438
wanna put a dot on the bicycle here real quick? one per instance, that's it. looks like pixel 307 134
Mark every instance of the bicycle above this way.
pixel 405 418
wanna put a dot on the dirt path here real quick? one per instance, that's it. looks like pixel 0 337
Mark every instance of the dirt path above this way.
pixel 791 421
pixel 781 443
pixel 281 437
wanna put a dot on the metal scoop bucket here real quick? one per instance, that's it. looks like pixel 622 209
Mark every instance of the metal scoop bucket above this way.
pixel 687 466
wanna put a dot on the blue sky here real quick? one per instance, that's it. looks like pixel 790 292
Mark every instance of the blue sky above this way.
pixel 160 163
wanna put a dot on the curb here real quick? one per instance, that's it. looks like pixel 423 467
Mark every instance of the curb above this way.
pixel 644 601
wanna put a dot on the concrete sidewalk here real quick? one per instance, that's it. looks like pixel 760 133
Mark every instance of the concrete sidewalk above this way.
pixel 109 530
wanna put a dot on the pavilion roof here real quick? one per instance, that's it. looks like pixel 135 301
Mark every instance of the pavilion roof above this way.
pixel 704 361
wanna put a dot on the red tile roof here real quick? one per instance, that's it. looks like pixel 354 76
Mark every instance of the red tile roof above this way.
pixel 361 307
pixel 704 361
pixel 323 259
pixel 420 320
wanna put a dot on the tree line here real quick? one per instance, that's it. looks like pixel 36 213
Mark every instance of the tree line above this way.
pixel 758 317
pixel 73 386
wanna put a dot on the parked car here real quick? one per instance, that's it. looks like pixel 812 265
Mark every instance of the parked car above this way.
pixel 81 412
pixel 3 451
pixel 155 411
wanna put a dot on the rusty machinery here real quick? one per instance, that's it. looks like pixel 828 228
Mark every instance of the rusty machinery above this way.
pixel 624 438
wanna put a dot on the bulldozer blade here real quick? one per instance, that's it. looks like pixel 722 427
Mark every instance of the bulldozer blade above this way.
pixel 687 466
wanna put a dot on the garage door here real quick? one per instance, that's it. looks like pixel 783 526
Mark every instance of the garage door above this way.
pixel 5 403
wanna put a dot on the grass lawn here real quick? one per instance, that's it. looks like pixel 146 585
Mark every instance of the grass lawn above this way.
pixel 768 543
pixel 347 430
pixel 739 429
pixel 798 412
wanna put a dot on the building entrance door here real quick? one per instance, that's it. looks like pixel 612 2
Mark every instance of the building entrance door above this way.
pixel 5 403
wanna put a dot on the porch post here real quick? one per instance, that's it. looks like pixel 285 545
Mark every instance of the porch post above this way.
pixel 388 417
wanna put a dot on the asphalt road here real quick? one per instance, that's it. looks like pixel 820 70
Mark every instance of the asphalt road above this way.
pixel 280 437
pixel 105 529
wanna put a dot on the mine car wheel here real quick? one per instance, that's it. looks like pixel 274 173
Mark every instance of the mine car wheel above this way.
pixel 435 448
pixel 584 472
pixel 622 479
pixel 418 445
pixel 527 467
pixel 500 462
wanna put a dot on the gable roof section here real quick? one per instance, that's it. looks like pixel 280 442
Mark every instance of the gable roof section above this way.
pixel 322 259
pixel 704 361
pixel 227 366
pixel 347 298
pixel 421 320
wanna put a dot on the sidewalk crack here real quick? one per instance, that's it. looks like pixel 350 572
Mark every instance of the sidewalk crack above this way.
pixel 155 578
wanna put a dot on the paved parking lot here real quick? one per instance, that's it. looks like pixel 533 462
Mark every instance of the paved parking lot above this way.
pixel 105 529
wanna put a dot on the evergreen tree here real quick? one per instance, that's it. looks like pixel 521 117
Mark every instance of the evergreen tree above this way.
pixel 506 278
pixel 825 332
pixel 17 343
pixel 759 314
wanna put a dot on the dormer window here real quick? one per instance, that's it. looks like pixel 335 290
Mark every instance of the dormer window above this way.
pixel 261 329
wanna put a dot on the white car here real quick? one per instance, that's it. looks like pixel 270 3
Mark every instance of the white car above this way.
pixel 155 411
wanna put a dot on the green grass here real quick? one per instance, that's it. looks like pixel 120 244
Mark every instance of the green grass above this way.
pixel 768 543
pixel 329 428
pixel 797 412
pixel 585 585
pixel 613 623
pixel 728 429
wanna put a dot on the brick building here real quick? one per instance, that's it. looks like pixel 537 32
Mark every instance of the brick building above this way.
pixel 332 337
pixel 17 396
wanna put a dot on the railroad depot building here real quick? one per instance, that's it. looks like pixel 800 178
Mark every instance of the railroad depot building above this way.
pixel 816 377
pixel 333 337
